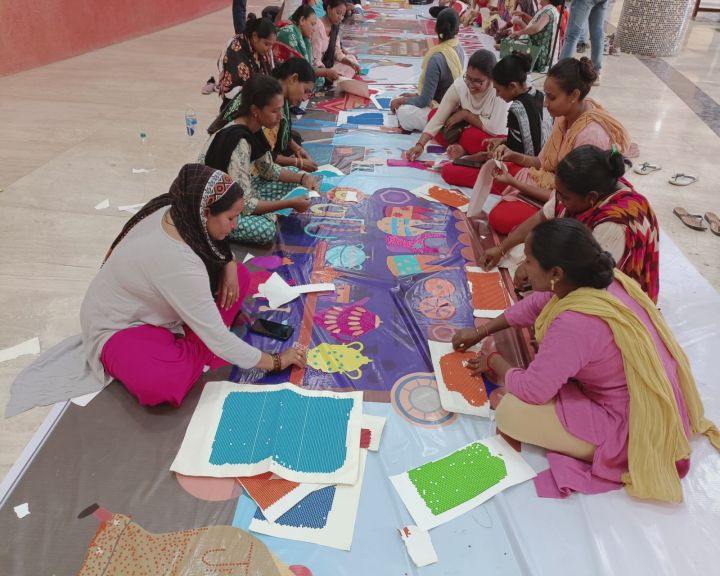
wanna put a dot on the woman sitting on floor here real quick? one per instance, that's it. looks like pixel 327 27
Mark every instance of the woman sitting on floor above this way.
pixel 329 59
pixel 578 120
pixel 158 310
pixel 528 123
pixel 609 392
pixel 470 110
pixel 248 53
pixel 541 32
pixel 241 148
pixel 589 188
pixel 441 66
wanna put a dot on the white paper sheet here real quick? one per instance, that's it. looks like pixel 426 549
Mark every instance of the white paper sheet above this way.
pixel 452 400
pixel 279 292
pixel 481 190
pixel 22 510
pixel 340 526
pixel 375 424
pixel 132 208
pixel 102 205
pixel 518 471
pixel 419 545
pixel 31 346
pixel 85 399
pixel 193 458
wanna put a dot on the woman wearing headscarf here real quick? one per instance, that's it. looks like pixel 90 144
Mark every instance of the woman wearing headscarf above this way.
pixel 158 310
pixel 248 53
pixel 441 66
pixel 470 108
pixel 241 149
pixel 609 393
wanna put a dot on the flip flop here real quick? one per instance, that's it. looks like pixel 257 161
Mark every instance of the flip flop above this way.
pixel 694 221
pixel 646 168
pixel 682 180
pixel 714 222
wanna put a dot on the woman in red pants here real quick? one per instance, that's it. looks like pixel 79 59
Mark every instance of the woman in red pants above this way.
pixel 158 310
pixel 471 102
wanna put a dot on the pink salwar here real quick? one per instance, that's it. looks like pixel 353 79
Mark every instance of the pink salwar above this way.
pixel 157 365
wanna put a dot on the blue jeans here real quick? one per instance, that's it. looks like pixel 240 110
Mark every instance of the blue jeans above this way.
pixel 238 11
pixel 591 13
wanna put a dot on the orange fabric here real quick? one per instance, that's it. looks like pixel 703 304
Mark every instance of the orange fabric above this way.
pixel 451 198
pixel 488 291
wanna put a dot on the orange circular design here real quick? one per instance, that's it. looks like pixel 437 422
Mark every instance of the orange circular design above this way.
pixel 337 195
pixel 465 239
pixel 415 397
pixel 468 253
pixel 458 214
pixel 439 286
pixel 210 489
pixel 437 308
pixel 441 332
pixel 460 227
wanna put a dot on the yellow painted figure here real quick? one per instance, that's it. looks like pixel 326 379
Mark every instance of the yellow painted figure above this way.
pixel 345 359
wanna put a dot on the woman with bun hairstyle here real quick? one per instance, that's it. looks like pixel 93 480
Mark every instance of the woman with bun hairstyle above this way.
pixel 248 53
pixel 609 392
pixel 441 66
pixel 579 120
pixel 528 122
pixel 589 187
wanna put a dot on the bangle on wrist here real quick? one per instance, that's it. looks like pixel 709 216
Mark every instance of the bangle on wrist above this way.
pixel 276 362
pixel 302 177
pixel 490 356
pixel 477 332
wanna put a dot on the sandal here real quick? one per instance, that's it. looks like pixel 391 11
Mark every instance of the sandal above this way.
pixel 646 168
pixel 714 222
pixel 682 180
pixel 694 221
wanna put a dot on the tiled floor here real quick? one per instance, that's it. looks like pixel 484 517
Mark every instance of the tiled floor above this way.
pixel 70 138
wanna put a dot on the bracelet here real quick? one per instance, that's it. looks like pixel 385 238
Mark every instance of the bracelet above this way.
pixel 477 332
pixel 487 361
pixel 302 177
pixel 276 362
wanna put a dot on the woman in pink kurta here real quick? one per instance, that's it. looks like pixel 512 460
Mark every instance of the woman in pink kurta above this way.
pixel 573 398
pixel 329 59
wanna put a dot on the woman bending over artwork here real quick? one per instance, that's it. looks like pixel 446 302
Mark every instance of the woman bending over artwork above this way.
pixel 610 393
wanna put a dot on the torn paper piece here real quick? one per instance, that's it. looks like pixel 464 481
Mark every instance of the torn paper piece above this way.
pixel 132 208
pixel 419 545
pixel 374 426
pixel 275 495
pixel 248 257
pixel 22 510
pixel 102 205
pixel 313 194
pixel 329 168
pixel 326 517
pixel 279 292
pixel 443 489
pixel 351 196
pixel 85 399
pixel 31 346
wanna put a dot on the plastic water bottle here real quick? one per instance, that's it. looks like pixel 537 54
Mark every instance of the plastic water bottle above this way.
pixel 190 122
pixel 146 162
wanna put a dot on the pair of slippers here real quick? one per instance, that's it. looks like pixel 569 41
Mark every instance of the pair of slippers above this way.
pixel 677 179
pixel 697 221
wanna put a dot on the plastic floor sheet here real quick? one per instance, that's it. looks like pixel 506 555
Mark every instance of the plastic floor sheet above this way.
pixel 117 454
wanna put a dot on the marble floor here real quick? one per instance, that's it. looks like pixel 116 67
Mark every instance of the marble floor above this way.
pixel 71 137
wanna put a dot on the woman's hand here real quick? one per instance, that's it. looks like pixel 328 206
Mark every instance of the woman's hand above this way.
pixel 479 364
pixel 305 162
pixel 491 257
pixel 459 116
pixel 520 280
pixel 311 182
pixel 300 204
pixel 501 175
pixel 395 103
pixel 414 152
pixel 492 144
pixel 455 151
pixel 465 338
pixel 293 356
pixel 228 289
pixel 504 154
pixel 331 74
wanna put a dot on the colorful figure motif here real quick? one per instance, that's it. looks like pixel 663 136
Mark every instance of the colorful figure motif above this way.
pixel 409 264
pixel 415 213
pixel 329 228
pixel 402 226
pixel 339 195
pixel 346 257
pixel 437 308
pixel 457 378
pixel 427 243
pixel 344 359
pixel 329 210
pixel 347 323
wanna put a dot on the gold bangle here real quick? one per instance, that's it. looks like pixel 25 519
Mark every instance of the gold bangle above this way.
pixel 477 332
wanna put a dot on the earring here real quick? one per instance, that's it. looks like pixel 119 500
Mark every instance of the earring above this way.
pixel 552 284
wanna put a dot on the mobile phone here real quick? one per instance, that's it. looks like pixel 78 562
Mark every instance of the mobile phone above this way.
pixel 271 329
pixel 468 163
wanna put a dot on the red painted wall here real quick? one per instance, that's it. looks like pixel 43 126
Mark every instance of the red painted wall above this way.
pixel 36 32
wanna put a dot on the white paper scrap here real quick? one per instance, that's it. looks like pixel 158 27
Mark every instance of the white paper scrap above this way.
pixel 279 292
pixel 132 208
pixel 330 168
pixel 313 194
pixel 102 205
pixel 31 346
pixel 85 399
pixel 351 196
pixel 419 545
pixel 22 510
pixel 249 256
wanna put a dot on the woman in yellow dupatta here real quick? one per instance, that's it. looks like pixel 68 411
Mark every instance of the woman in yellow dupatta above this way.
pixel 578 120
pixel 610 393
pixel 441 66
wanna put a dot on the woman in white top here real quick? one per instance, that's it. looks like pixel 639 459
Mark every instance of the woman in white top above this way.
pixel 158 310
pixel 470 108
